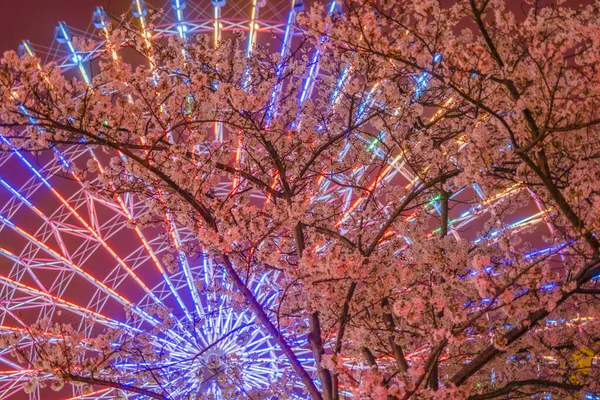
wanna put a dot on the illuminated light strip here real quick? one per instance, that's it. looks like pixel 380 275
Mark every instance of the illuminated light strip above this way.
pixel 367 101
pixel 89 228
pixel 217 26
pixel 439 112
pixel 361 198
pixel 146 245
pixel 95 282
pixel 62 35
pixel 25 48
pixel 6 394
pixel 514 188
pixel 468 215
pixel 253 28
pixel 238 158
pixel 79 310
pixel 139 11
pixel 178 6
pixel 376 140
pixel 205 264
pixel 177 241
pixel 17 372
pixel 82 311
pixel 100 21
pixel 8 362
pixel 186 266
pixel 550 249
pixel 310 80
pixel 335 97
pixel 285 46
pixel 540 207
pixel 532 219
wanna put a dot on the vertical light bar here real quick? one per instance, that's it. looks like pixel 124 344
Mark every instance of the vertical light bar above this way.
pixel 217 4
pixel 101 22
pixel 253 27
pixel 63 36
pixel 139 11
pixel 178 6
pixel 297 6
pixel 312 73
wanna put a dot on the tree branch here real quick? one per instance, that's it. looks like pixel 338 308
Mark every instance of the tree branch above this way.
pixel 507 389
pixel 116 385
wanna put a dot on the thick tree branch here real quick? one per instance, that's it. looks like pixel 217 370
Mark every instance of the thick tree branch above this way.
pixel 122 386
pixel 273 331
pixel 510 387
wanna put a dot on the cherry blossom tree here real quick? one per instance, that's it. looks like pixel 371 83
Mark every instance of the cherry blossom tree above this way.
pixel 351 200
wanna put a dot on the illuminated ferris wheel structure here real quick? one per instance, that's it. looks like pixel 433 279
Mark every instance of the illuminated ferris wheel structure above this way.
pixel 70 256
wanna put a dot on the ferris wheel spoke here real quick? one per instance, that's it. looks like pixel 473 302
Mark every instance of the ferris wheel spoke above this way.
pixel 140 11
pixel 93 232
pixel 100 21
pixel 10 388
pixel 217 28
pixel 52 300
pixel 8 362
pixel 102 287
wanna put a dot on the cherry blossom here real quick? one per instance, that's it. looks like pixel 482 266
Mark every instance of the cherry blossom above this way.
pixel 372 268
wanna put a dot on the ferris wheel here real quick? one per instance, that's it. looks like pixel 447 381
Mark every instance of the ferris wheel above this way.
pixel 71 256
